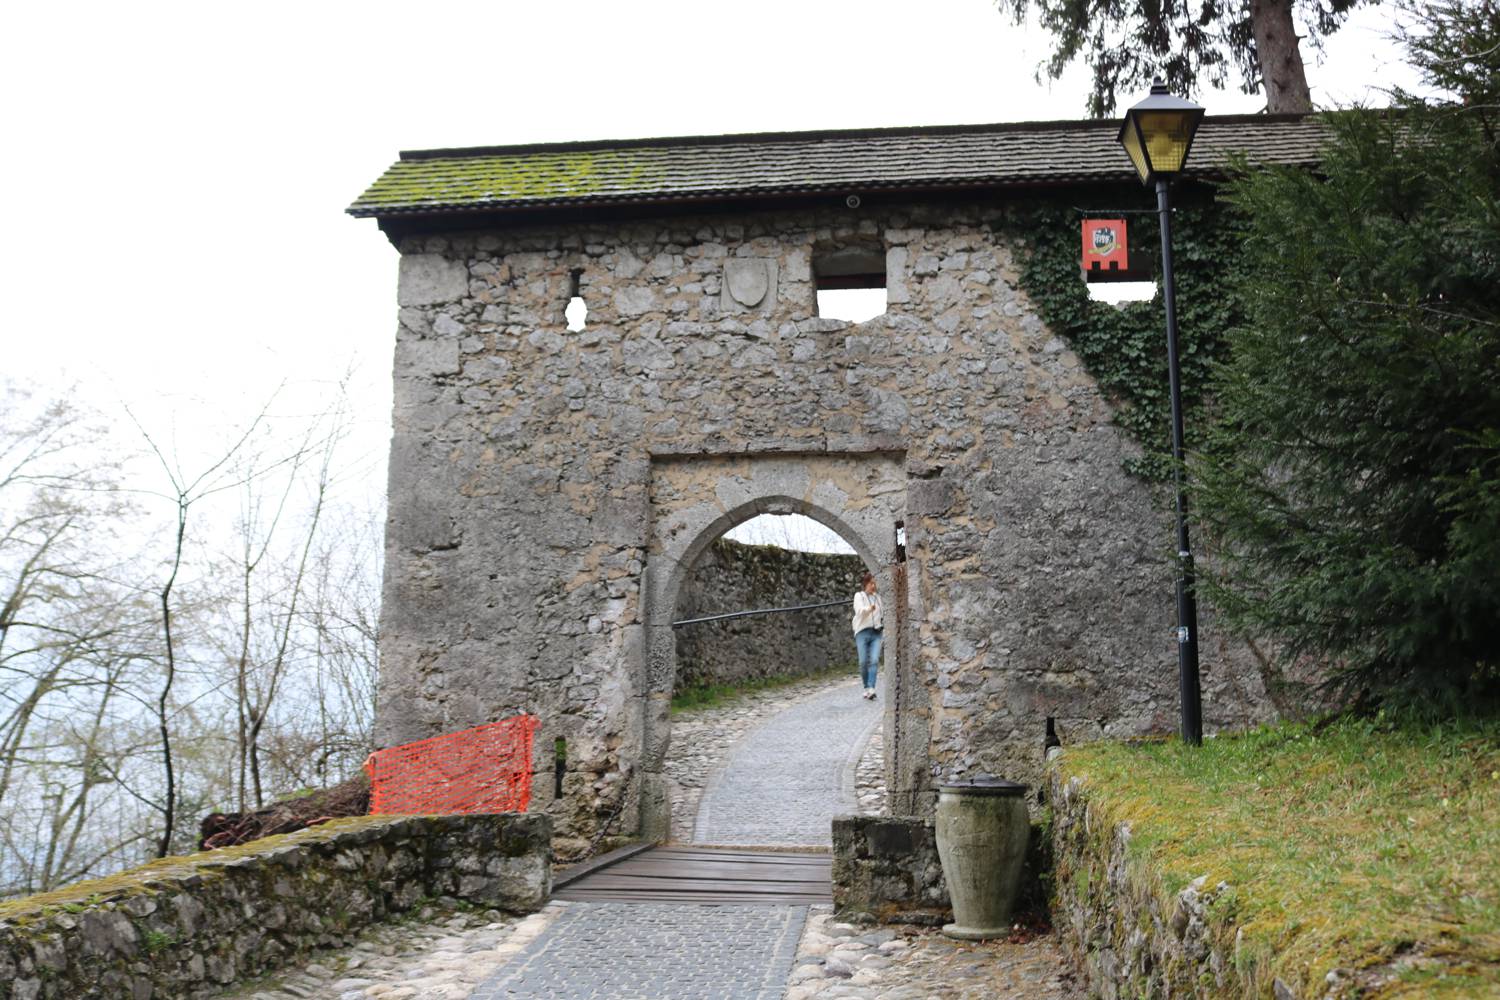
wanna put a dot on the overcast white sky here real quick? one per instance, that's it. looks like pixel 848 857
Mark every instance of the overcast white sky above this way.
pixel 175 173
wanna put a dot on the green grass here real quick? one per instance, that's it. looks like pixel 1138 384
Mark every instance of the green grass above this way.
pixel 1345 847
pixel 698 696
pixel 155 941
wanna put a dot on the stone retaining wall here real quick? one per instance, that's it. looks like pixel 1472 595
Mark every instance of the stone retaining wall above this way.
pixel 186 927
pixel 734 577
pixel 1132 937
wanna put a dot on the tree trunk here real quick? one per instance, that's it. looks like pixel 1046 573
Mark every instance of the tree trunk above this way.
pixel 169 806
pixel 1281 69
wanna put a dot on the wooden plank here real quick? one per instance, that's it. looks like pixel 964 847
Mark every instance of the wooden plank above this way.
pixel 667 864
pixel 571 895
pixel 769 859
pixel 685 884
pixel 699 875
pixel 722 871
pixel 584 896
pixel 718 852
pixel 572 873
pixel 651 859
pixel 778 878
pixel 680 868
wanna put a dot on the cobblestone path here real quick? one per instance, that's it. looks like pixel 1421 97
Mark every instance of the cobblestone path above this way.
pixel 702 739
pixel 838 961
pixel 788 777
pixel 655 951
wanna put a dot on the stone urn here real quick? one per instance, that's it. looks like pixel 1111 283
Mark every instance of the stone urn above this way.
pixel 982 832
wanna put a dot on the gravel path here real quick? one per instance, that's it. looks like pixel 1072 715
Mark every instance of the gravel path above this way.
pixel 789 776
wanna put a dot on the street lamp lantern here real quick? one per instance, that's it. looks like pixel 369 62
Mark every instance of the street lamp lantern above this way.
pixel 1157 134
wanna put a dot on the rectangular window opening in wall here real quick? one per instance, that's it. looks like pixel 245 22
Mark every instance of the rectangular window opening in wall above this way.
pixel 850 284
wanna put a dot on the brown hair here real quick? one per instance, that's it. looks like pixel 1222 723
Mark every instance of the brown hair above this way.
pixel 865 579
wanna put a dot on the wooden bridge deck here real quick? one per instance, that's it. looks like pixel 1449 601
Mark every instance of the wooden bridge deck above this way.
pixel 707 875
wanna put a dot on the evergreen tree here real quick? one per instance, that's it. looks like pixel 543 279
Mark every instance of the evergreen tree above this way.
pixel 1128 42
pixel 1351 481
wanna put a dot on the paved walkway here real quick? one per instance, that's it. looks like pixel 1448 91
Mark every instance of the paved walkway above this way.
pixel 781 786
pixel 656 951
pixel 704 738
pixel 790 776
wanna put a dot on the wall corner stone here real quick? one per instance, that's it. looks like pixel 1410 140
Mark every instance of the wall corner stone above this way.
pixel 430 279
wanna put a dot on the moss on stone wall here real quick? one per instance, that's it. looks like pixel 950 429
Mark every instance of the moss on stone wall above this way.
pixel 188 926
pixel 1351 859
pixel 148 878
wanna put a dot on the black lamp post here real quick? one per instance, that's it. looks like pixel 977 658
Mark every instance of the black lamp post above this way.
pixel 1157 133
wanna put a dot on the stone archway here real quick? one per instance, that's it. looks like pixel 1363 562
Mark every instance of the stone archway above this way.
pixel 694 500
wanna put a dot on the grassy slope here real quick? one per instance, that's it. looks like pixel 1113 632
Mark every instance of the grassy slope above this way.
pixel 1344 848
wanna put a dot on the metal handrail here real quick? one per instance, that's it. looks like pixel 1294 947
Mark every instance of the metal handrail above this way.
pixel 760 611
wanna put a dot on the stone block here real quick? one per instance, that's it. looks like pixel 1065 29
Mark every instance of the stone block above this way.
pixel 656 808
pixel 889 840
pixel 427 358
pixel 887 867
pixel 929 497
pixel 429 279
pixel 896 270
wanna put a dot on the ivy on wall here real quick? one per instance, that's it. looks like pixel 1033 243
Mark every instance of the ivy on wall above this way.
pixel 1124 347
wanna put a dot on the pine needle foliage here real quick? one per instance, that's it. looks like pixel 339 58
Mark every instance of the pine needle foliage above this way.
pixel 1351 480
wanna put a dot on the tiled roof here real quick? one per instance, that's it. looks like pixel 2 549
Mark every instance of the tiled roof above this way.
pixel 715 168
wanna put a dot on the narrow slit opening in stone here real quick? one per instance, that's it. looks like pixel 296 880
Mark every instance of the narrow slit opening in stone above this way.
pixel 577 310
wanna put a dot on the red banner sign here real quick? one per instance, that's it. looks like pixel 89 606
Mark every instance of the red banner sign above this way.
pixel 1104 245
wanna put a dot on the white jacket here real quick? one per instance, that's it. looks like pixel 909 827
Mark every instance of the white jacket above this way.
pixel 866 611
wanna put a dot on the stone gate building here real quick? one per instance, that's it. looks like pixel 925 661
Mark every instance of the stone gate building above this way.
pixel 551 489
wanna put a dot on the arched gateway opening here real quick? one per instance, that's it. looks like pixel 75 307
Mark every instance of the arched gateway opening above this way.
pixel 762 620
pixel 695 500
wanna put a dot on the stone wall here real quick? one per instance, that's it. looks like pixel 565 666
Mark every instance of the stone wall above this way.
pixel 734 577
pixel 187 927
pixel 1131 937
pixel 886 869
pixel 549 491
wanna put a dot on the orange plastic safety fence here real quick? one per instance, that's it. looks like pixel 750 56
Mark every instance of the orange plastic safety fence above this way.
pixel 486 769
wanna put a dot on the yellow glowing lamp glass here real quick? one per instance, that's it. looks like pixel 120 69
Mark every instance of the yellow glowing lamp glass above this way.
pixel 1158 132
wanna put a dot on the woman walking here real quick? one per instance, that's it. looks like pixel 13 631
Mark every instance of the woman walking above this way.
pixel 867 632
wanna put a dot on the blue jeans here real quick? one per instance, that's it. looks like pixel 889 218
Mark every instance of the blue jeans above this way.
pixel 867 643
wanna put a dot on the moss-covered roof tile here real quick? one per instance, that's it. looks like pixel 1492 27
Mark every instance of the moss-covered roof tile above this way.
pixel 722 168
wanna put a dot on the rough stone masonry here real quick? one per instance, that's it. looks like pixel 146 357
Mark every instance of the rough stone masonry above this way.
pixel 732 577
pixel 551 490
